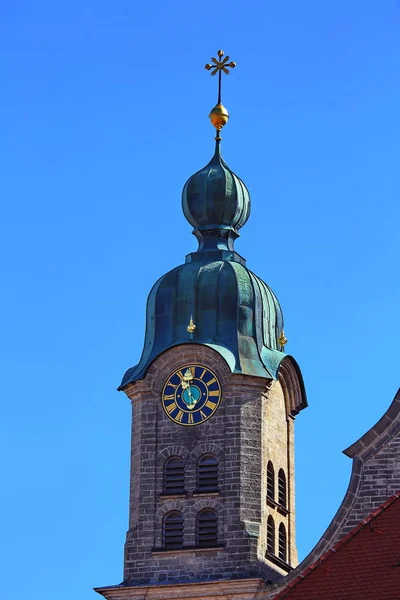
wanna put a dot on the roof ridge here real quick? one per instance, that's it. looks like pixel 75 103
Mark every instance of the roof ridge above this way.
pixel 369 438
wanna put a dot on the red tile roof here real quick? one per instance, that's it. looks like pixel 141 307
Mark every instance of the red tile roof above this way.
pixel 364 565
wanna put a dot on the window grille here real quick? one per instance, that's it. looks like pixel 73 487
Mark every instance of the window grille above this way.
pixel 174 476
pixel 282 543
pixel 173 530
pixel 282 496
pixel 270 481
pixel 270 535
pixel 207 528
pixel 207 474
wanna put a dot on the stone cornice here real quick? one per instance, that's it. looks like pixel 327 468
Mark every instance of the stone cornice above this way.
pixel 292 383
pixel 139 390
pixel 242 589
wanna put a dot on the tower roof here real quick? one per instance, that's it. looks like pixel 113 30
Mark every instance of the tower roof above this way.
pixel 213 299
pixel 235 313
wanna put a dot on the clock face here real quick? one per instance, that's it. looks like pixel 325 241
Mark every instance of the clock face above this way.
pixel 191 395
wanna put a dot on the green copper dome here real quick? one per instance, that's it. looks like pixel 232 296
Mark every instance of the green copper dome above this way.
pixel 235 313
pixel 216 203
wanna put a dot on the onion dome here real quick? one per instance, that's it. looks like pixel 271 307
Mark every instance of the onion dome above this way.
pixel 233 310
pixel 216 203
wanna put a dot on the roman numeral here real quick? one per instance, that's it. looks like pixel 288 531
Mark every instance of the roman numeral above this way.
pixel 172 385
pixel 180 374
pixel 171 407
pixel 214 393
pixel 210 405
pixel 169 396
pixel 190 419
pixel 203 415
pixel 203 373
pixel 179 416
pixel 213 380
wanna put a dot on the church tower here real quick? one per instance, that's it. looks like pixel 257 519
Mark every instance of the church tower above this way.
pixel 214 398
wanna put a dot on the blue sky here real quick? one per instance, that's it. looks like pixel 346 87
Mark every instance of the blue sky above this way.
pixel 104 116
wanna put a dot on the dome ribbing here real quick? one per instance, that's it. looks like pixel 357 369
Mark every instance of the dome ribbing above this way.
pixel 216 203
pixel 235 312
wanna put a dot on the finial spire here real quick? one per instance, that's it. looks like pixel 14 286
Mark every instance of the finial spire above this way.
pixel 191 328
pixel 219 115
pixel 282 339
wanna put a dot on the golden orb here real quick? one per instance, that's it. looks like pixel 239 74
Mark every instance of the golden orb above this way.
pixel 220 53
pixel 219 116
pixel 208 66
pixel 232 65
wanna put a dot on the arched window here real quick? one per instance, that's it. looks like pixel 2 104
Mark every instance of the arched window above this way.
pixel 174 476
pixel 207 528
pixel 282 495
pixel 282 543
pixel 173 530
pixel 270 481
pixel 207 473
pixel 271 535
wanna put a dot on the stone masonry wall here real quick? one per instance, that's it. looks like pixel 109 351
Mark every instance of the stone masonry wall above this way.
pixel 380 479
pixel 278 447
pixel 235 435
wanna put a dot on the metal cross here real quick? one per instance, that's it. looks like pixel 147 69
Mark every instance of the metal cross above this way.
pixel 218 66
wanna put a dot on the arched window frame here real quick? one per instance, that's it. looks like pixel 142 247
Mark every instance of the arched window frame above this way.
pixel 271 535
pixel 207 528
pixel 282 489
pixel 173 530
pixel 174 476
pixel 270 482
pixel 207 474
pixel 282 543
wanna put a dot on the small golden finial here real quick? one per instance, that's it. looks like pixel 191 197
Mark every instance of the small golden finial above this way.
pixel 191 328
pixel 219 115
pixel 282 339
pixel 188 375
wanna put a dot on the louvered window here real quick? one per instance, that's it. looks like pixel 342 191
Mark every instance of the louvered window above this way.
pixel 271 535
pixel 174 476
pixel 207 474
pixel 173 530
pixel 282 543
pixel 282 496
pixel 270 481
pixel 207 528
